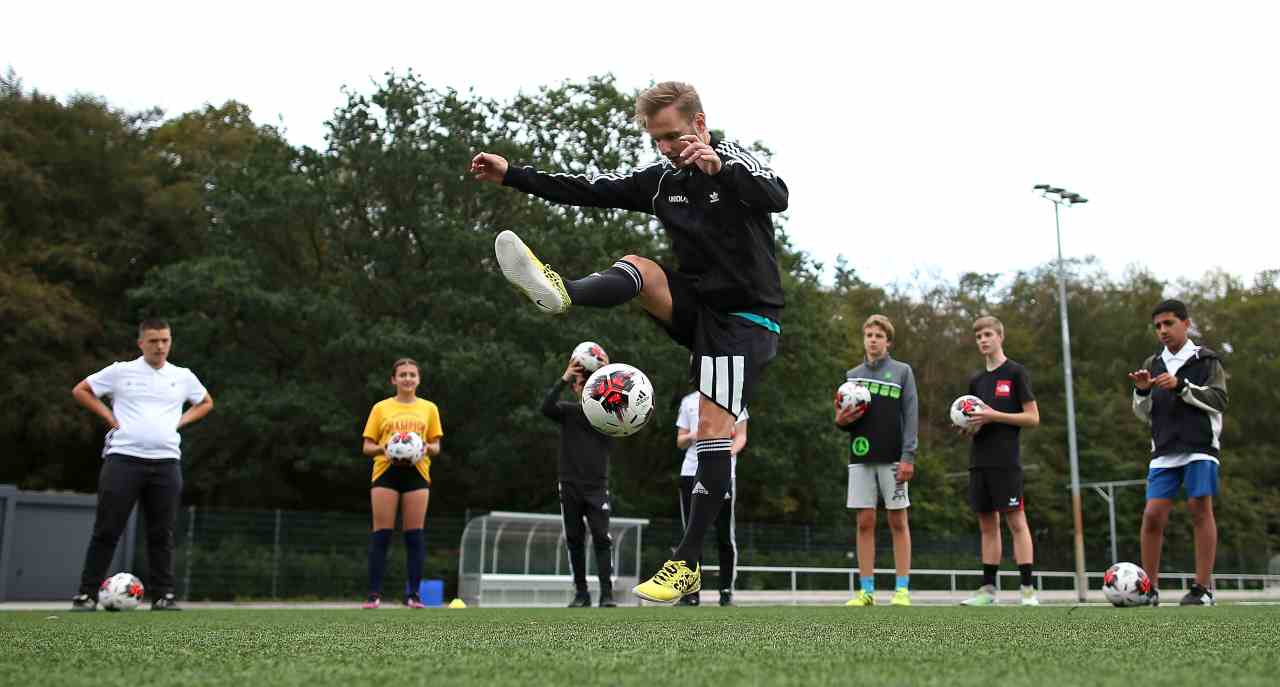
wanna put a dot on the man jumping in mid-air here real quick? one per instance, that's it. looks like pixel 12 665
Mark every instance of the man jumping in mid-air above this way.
pixel 723 300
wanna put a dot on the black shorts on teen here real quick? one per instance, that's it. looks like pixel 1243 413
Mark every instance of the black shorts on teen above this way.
pixel 402 478
pixel 995 490
pixel 729 351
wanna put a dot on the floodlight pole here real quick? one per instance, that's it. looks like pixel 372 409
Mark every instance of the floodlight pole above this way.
pixel 1058 197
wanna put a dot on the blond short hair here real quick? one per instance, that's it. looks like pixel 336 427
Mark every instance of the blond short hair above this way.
pixel 884 323
pixel 988 322
pixel 653 100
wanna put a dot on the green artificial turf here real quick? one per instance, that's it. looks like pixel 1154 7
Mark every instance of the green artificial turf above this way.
pixel 882 646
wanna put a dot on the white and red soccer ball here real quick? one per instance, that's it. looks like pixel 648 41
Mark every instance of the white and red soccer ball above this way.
pixel 963 407
pixel 1126 585
pixel 120 592
pixel 405 446
pixel 590 356
pixel 618 400
pixel 853 395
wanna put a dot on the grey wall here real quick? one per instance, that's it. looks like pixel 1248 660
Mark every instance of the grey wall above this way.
pixel 43 537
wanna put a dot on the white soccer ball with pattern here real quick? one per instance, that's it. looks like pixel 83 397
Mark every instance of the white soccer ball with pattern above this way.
pixel 120 592
pixel 1126 585
pixel 618 400
pixel 405 446
pixel 963 407
pixel 590 356
pixel 853 395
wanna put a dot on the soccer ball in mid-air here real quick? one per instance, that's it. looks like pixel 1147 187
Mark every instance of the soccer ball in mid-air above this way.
pixel 1125 585
pixel 962 407
pixel 853 395
pixel 590 356
pixel 618 400
pixel 120 592
pixel 405 446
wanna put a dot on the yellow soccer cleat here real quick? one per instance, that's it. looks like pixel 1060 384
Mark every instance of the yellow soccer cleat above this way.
pixel 673 581
pixel 901 597
pixel 862 598
pixel 526 272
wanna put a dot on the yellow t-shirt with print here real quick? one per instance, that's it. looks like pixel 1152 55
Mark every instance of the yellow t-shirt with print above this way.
pixel 390 416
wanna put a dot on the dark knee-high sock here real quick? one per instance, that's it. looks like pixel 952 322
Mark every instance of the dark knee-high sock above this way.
pixel 379 542
pixel 614 286
pixel 707 498
pixel 415 550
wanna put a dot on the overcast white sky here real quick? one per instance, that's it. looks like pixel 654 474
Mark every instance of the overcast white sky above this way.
pixel 909 133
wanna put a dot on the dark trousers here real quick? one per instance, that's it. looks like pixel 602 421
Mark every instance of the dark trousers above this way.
pixel 579 503
pixel 122 482
pixel 725 534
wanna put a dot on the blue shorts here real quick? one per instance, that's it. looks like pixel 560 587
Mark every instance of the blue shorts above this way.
pixel 1200 477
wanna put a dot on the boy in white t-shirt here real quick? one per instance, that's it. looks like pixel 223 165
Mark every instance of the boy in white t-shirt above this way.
pixel 141 459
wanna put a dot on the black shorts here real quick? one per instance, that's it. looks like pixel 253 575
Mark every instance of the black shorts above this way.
pixel 729 351
pixel 995 490
pixel 402 478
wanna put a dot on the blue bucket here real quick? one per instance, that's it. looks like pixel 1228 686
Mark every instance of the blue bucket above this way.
pixel 431 592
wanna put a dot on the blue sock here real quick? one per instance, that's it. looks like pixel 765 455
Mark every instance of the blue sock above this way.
pixel 379 542
pixel 904 582
pixel 868 584
pixel 415 549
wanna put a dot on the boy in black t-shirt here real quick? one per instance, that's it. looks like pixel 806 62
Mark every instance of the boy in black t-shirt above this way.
pixel 584 486
pixel 995 471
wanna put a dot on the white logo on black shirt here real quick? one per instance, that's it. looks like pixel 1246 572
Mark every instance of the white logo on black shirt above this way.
pixel 677 199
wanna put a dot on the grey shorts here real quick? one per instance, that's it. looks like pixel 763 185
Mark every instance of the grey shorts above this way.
pixel 871 483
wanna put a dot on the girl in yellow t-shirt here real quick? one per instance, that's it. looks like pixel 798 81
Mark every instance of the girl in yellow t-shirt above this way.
pixel 401 483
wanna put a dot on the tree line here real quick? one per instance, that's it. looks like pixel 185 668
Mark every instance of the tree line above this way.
pixel 294 276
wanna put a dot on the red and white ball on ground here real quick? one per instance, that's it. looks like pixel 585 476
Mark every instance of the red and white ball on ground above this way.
pixel 853 395
pixel 590 356
pixel 962 407
pixel 120 592
pixel 1126 585
pixel 405 446
pixel 618 400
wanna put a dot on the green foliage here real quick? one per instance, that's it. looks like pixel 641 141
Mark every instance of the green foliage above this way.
pixel 294 276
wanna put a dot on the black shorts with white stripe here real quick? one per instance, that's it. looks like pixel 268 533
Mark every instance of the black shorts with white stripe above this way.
pixel 730 352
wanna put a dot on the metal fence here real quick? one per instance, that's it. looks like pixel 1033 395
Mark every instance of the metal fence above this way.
pixel 227 554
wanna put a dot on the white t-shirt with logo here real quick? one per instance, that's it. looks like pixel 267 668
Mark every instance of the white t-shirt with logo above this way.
pixel 687 419
pixel 148 404
pixel 1174 362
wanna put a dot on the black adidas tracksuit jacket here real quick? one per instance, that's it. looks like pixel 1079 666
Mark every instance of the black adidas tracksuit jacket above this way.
pixel 719 226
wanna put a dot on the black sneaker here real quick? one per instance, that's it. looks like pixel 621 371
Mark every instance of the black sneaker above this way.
pixel 83 602
pixel 1154 599
pixel 168 602
pixel 726 597
pixel 606 599
pixel 581 600
pixel 1198 596
pixel 694 599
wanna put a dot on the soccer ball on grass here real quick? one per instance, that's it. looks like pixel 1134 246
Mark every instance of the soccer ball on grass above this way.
pixel 120 592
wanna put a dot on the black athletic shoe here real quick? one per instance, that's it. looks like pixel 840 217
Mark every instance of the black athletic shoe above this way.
pixel 606 599
pixel 581 600
pixel 694 599
pixel 168 602
pixel 1198 596
pixel 726 597
pixel 1154 599
pixel 83 602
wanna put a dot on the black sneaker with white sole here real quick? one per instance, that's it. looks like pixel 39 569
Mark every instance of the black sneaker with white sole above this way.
pixel 83 602
pixel 581 600
pixel 168 602
pixel 1197 596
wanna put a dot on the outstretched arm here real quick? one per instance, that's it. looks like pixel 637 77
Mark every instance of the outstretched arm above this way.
pixel 629 191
